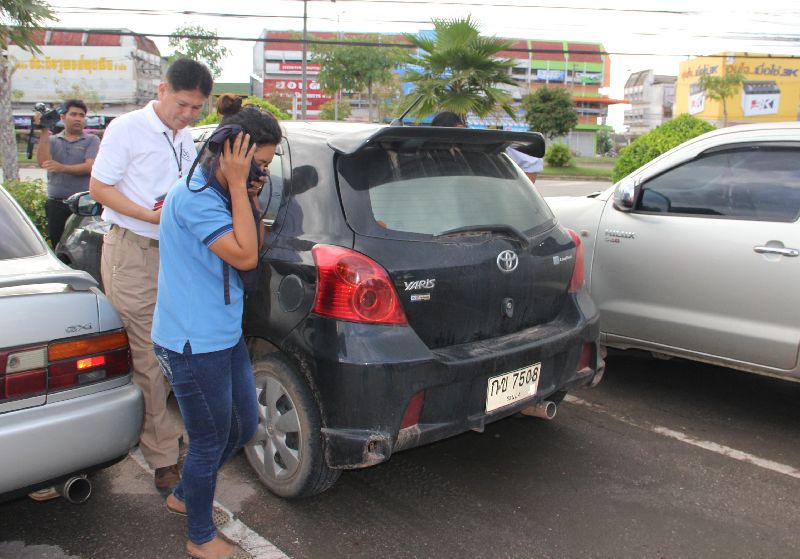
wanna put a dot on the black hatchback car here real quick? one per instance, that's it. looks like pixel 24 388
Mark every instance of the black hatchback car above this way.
pixel 415 286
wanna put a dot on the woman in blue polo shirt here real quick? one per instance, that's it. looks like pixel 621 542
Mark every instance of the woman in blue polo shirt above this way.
pixel 207 233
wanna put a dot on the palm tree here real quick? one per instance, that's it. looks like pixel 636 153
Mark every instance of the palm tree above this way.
pixel 459 71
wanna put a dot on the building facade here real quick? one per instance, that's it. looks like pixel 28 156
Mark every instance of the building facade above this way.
pixel 770 91
pixel 113 70
pixel 582 68
pixel 651 97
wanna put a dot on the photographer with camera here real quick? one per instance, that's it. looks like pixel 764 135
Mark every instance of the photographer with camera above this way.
pixel 68 158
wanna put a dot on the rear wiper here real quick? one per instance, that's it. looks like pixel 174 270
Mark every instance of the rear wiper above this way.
pixel 496 228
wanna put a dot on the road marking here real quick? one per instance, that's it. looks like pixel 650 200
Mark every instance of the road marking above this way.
pixel 688 439
pixel 257 546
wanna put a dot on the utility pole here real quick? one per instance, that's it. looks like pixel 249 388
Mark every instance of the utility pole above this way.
pixel 304 85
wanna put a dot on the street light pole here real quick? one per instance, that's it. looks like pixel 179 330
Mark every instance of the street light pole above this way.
pixel 305 62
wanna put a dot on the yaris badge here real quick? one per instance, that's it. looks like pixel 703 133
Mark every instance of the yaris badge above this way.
pixel 507 261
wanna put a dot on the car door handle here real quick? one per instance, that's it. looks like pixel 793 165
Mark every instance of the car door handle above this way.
pixel 777 250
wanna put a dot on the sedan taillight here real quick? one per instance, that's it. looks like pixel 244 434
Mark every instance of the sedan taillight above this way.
pixel 33 371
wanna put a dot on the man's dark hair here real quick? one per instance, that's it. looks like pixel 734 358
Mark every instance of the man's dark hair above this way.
pixel 447 118
pixel 186 74
pixel 75 103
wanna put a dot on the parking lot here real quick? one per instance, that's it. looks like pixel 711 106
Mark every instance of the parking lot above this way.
pixel 663 459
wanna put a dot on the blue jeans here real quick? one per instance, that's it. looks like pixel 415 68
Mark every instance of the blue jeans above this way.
pixel 216 393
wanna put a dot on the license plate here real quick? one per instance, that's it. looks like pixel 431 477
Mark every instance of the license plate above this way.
pixel 509 388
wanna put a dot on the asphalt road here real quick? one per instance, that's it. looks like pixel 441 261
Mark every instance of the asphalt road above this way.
pixel 662 459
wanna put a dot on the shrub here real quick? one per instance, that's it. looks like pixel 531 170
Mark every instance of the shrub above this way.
pixel 213 117
pixel 558 155
pixel 659 140
pixel 31 195
pixel 327 110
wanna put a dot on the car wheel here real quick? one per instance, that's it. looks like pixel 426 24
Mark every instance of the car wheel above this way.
pixel 288 451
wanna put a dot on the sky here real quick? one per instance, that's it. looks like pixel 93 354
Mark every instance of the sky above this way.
pixel 639 35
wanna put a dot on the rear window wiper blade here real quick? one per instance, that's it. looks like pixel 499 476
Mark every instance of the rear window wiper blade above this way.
pixel 494 228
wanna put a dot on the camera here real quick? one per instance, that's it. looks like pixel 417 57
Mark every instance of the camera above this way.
pixel 50 116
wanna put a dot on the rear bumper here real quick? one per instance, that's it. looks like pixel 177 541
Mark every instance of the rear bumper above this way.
pixel 48 442
pixel 364 388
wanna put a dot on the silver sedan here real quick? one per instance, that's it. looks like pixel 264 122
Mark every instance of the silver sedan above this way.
pixel 695 254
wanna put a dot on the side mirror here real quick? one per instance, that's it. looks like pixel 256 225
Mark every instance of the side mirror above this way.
pixel 83 204
pixel 625 195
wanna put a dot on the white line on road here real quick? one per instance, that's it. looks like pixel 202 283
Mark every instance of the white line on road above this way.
pixel 688 439
pixel 234 529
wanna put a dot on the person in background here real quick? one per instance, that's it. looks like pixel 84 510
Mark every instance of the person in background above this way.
pixel 530 165
pixel 208 235
pixel 141 156
pixel 68 158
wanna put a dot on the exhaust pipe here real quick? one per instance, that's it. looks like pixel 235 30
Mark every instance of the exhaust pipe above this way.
pixel 545 410
pixel 76 489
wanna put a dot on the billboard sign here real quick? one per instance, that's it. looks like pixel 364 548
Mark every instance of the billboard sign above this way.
pixel 294 88
pixel 107 71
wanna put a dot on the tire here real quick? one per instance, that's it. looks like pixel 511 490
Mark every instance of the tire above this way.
pixel 287 452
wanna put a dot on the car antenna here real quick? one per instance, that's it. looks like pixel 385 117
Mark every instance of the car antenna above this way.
pixel 399 120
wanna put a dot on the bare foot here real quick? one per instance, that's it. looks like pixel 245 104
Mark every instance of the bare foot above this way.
pixel 215 549
pixel 175 505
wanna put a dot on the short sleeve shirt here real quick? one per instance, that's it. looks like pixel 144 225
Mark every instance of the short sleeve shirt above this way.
pixel 191 287
pixel 142 158
pixel 527 163
pixel 66 152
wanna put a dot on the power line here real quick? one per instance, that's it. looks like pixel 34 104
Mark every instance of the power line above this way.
pixel 338 42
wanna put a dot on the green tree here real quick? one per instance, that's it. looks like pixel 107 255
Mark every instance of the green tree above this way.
pixel 720 88
pixel 356 68
pixel 213 116
pixel 659 140
pixel 604 142
pixel 328 111
pixel 459 71
pixel 550 111
pixel 198 43
pixel 19 21
pixel 31 196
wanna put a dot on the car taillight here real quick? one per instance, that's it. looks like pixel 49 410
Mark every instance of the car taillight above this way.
pixel 576 282
pixel 32 371
pixel 78 362
pixel 353 287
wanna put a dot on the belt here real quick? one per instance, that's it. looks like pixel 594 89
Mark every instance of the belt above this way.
pixel 142 241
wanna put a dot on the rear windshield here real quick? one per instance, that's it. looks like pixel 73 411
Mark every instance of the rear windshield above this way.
pixel 17 238
pixel 413 193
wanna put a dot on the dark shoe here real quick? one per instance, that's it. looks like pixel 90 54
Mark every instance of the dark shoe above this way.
pixel 166 479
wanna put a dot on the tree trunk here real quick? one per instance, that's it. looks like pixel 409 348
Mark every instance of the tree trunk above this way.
pixel 8 142
pixel 369 100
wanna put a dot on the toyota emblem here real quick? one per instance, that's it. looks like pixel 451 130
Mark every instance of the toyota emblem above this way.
pixel 507 261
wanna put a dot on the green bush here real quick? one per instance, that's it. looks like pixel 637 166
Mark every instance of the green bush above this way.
pixel 558 155
pixel 213 117
pixel 31 195
pixel 659 140
pixel 327 111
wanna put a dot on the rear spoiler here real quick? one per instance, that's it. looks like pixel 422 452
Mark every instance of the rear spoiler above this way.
pixel 76 279
pixel 415 137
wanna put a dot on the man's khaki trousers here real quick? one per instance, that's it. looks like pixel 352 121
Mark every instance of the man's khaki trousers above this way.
pixel 129 267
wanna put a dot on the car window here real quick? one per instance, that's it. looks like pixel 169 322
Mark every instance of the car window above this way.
pixel 270 198
pixel 17 238
pixel 432 190
pixel 758 182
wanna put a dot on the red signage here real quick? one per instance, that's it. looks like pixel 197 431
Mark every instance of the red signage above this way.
pixel 297 67
pixel 294 88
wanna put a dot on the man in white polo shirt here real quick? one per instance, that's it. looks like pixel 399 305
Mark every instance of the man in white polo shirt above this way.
pixel 143 153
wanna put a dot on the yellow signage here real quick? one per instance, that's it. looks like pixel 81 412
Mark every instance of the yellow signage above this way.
pixel 66 64
pixel 770 91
